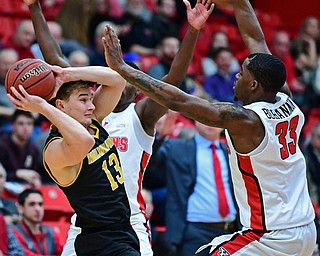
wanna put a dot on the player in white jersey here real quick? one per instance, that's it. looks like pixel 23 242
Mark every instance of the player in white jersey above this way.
pixel 132 126
pixel 268 168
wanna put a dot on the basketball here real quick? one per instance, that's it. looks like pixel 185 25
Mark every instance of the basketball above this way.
pixel 34 75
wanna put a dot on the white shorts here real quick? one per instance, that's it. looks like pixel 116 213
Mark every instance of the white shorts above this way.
pixel 142 230
pixel 299 241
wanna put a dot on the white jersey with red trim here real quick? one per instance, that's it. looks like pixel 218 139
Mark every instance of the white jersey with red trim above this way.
pixel 270 182
pixel 135 147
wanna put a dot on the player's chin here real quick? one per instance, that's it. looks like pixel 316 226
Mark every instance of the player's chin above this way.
pixel 87 121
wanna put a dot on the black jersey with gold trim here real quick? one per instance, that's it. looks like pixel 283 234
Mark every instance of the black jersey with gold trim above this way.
pixel 97 194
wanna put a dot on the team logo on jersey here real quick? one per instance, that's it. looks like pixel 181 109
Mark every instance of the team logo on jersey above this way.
pixel 223 252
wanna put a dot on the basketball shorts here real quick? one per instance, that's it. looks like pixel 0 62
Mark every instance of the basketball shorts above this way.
pixel 299 241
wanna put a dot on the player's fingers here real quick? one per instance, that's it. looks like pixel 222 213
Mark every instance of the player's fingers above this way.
pixel 187 4
pixel 113 35
pixel 106 33
pixel 103 39
pixel 16 93
pixel 23 91
pixel 211 8
pixel 207 4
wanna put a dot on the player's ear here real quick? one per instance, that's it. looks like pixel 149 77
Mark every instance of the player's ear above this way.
pixel 254 84
pixel 59 104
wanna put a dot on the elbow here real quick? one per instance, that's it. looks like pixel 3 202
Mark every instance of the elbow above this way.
pixel 89 142
pixel 85 142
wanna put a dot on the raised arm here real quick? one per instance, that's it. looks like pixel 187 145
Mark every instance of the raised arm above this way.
pixel 109 92
pixel 250 29
pixel 49 47
pixel 251 32
pixel 148 110
pixel 63 156
pixel 164 93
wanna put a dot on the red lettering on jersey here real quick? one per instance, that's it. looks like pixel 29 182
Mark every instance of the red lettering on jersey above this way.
pixel 121 143
pixel 116 141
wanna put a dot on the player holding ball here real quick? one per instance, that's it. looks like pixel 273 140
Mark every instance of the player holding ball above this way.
pixel 81 158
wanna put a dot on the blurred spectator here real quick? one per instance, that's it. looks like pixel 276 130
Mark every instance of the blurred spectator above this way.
pixel 209 67
pixel 79 58
pixel 155 181
pixel 67 46
pixel 309 34
pixel 75 28
pixel 35 238
pixel 198 181
pixel 22 39
pixel 96 51
pixel 139 36
pixel 167 49
pixel 281 48
pixel 7 58
pixel 306 52
pixel 220 85
pixel 8 207
pixel 312 155
pixel 103 10
pixel 18 154
pixel 163 21
pixel 9 244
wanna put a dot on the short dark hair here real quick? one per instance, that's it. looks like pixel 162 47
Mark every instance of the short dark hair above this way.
pixel 25 193
pixel 268 70
pixel 66 89
pixel 218 50
pixel 19 112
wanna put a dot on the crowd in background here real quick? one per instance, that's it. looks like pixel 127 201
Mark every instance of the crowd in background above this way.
pixel 150 33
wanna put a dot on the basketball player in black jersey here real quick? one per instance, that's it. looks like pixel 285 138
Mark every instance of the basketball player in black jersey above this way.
pixel 81 158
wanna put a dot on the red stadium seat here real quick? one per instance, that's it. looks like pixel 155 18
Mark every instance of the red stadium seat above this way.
pixel 56 204
pixel 20 9
pixel 61 227
pixel 6 7
pixel 7 28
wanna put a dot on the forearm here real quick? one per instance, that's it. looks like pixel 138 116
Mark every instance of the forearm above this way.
pixel 163 93
pixel 48 45
pixel 249 27
pixel 72 131
pixel 99 75
pixel 177 73
pixel 182 60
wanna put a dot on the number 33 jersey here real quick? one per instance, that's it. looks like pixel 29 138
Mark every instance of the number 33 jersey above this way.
pixel 270 182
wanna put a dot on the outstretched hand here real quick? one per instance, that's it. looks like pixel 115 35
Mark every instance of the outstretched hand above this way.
pixel 112 48
pixel 198 15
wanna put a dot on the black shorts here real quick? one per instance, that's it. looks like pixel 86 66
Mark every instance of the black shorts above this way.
pixel 108 243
